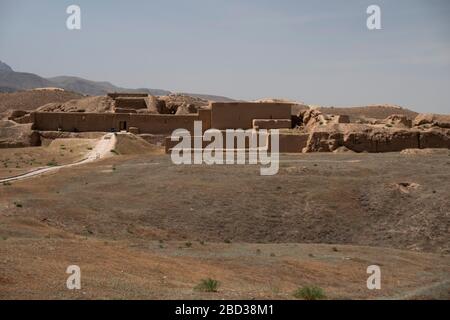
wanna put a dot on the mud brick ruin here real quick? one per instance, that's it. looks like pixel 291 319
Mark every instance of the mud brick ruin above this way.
pixel 308 131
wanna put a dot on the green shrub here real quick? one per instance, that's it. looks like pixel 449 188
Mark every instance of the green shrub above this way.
pixel 309 293
pixel 207 285
pixel 52 163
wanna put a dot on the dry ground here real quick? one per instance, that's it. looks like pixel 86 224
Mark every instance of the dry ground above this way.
pixel 32 99
pixel 141 227
pixel 16 161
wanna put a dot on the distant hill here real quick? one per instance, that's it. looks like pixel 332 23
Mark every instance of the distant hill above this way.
pixel 97 88
pixel 11 81
pixel 209 97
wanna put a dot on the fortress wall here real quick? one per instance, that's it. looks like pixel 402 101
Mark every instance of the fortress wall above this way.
pixel 293 143
pixel 82 122
pixel 162 123
pixel 205 116
pixel 105 122
pixel 288 143
pixel 235 115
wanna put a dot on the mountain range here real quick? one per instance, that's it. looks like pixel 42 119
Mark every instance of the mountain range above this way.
pixel 12 81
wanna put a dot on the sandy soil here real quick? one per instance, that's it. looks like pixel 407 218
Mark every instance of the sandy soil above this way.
pixel 141 227
pixel 17 161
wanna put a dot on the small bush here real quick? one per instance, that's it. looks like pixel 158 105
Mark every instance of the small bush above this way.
pixel 52 163
pixel 207 285
pixel 309 293
pixel 188 244
pixel 18 205
pixel 114 151
pixel 6 183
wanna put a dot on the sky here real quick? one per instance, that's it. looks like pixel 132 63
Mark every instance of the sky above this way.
pixel 315 51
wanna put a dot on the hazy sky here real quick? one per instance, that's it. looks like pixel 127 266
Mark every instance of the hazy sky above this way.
pixel 319 52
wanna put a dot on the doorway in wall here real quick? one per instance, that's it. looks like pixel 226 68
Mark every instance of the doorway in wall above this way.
pixel 122 126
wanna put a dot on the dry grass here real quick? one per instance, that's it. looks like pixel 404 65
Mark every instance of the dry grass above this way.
pixel 17 161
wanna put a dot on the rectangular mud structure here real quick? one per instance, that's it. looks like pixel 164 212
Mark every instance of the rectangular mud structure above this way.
pixel 235 115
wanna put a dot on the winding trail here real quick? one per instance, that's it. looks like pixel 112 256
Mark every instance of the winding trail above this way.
pixel 101 150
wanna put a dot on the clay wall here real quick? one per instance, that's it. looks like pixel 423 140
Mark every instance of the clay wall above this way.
pixel 106 122
pixel 240 115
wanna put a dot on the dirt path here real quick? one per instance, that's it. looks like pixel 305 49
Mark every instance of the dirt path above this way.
pixel 101 150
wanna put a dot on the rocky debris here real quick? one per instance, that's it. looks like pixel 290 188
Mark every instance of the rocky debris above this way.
pixel 427 151
pixel 431 119
pixel 324 141
pixel 406 187
pixel 88 104
pixel 17 114
pixel 367 114
pixel 398 120
pixel 186 109
pixel 177 100
pixel 313 118
pixel 155 105
pixel 20 116
pixel 366 138
pixel 13 135
pixel 31 99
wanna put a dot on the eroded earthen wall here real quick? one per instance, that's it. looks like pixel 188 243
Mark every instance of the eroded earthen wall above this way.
pixel 106 122
pixel 235 115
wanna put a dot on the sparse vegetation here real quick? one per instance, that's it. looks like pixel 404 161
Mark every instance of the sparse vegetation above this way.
pixel 6 183
pixel 18 204
pixel 188 244
pixel 52 163
pixel 207 285
pixel 115 152
pixel 310 293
